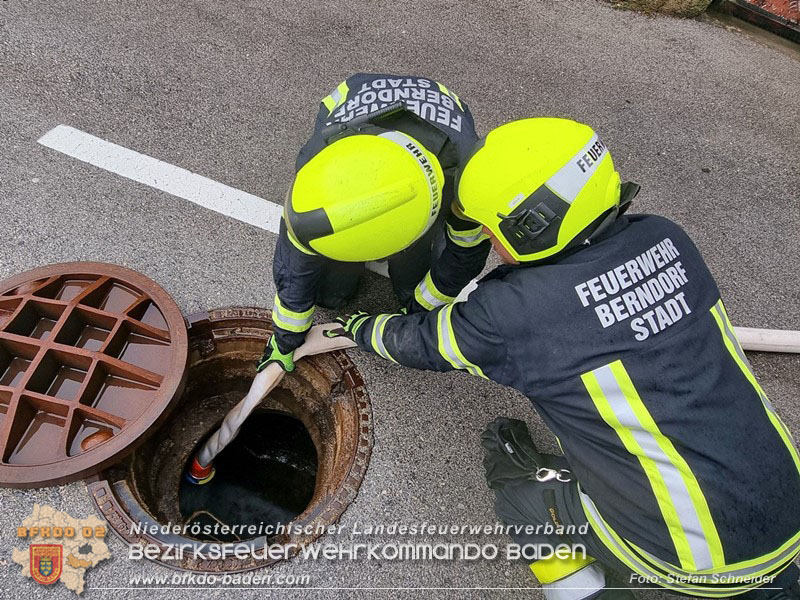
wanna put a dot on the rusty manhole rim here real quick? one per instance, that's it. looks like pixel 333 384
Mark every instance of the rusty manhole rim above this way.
pixel 111 500
pixel 37 289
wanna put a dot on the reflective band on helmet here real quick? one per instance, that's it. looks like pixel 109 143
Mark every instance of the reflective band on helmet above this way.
pixel 583 584
pixel 676 490
pixel 291 320
pixel 569 180
pixel 448 346
pixel 732 344
pixel 429 296
pixel 466 239
pixel 377 335
pixel 421 156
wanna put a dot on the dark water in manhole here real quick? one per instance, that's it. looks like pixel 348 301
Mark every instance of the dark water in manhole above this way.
pixel 266 475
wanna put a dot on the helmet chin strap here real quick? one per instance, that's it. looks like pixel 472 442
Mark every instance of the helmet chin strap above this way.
pixel 627 192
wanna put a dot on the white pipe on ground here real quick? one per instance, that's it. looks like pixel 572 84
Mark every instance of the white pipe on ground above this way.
pixel 768 340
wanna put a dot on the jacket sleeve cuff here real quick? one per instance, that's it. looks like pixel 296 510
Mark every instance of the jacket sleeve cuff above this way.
pixel 369 336
pixel 429 296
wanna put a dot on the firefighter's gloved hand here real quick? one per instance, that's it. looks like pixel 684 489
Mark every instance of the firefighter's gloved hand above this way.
pixel 349 325
pixel 273 354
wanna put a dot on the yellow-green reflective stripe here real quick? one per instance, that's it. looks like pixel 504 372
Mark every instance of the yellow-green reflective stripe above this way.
pixel 377 335
pixel 336 98
pixel 343 90
pixel 553 569
pixel 329 103
pixel 448 347
pixel 428 295
pixel 291 320
pixel 453 95
pixel 466 239
pixel 752 568
pixel 423 301
pixel 660 491
pixel 622 551
pixel 677 491
pixel 732 344
pixel 357 322
pixel 288 325
pixel 305 315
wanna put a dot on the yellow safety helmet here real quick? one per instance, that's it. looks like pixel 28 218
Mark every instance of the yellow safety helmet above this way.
pixel 542 185
pixel 369 194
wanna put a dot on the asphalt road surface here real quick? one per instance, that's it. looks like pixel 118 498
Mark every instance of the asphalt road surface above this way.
pixel 702 114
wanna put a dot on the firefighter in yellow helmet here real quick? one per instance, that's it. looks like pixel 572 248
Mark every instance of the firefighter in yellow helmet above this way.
pixel 676 470
pixel 374 182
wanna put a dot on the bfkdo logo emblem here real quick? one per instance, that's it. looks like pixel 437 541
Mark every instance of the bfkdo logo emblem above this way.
pixel 46 562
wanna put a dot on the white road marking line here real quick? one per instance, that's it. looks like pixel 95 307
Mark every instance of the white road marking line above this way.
pixel 174 180
pixel 168 178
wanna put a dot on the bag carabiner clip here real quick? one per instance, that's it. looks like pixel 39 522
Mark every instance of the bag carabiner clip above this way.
pixel 544 474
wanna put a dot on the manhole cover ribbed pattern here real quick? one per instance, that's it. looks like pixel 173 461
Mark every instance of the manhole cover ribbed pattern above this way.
pixel 92 356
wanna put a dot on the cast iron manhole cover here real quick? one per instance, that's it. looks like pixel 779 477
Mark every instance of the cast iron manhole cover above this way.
pixel 92 357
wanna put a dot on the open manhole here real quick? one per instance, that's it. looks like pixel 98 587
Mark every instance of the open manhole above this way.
pixel 267 475
pixel 298 460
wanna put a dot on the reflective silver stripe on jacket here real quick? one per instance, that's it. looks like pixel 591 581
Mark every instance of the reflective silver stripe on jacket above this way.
pixel 664 578
pixel 428 296
pixel 717 308
pixel 448 346
pixel 689 520
pixel 291 320
pixel 466 239
pixel 377 336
